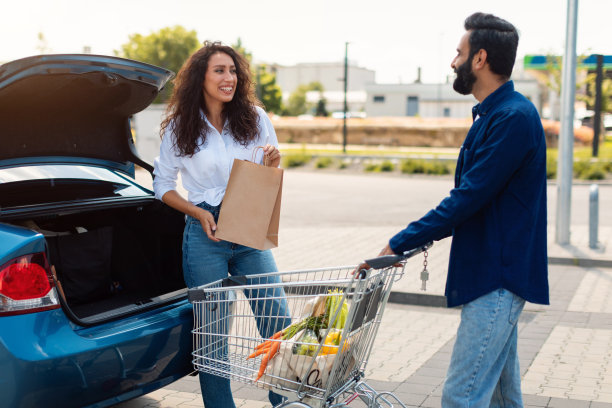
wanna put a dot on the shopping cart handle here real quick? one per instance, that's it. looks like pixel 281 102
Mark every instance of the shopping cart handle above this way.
pixel 385 261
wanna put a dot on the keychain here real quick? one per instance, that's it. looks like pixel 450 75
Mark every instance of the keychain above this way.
pixel 424 273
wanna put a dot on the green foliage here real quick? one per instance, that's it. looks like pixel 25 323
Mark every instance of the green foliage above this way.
pixel 297 104
pixel 371 167
pixel 590 170
pixel 239 48
pixel 321 109
pixel 384 166
pixel 606 92
pixel 295 160
pixel 412 166
pixel 323 162
pixel 168 48
pixel 387 166
pixel 268 92
pixel 551 165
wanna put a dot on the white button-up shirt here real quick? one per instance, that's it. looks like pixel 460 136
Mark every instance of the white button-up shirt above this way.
pixel 205 174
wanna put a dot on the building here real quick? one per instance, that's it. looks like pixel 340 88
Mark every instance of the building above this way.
pixel 436 100
pixel 331 76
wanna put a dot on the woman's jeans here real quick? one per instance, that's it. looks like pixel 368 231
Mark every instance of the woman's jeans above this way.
pixel 484 368
pixel 206 261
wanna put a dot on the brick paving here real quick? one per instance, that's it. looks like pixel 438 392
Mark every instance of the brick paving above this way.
pixel 565 349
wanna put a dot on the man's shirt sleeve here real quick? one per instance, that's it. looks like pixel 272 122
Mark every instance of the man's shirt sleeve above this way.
pixel 488 165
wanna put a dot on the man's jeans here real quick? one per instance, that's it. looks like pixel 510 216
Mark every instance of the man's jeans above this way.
pixel 205 261
pixel 484 368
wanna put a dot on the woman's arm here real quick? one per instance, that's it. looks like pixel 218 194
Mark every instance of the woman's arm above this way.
pixel 174 200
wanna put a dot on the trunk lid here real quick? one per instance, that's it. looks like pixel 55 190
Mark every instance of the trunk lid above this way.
pixel 74 108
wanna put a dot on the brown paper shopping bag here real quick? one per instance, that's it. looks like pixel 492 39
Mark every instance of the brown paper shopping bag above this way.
pixel 250 211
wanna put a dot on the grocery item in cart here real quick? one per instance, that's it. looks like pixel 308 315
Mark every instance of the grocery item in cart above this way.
pixel 306 350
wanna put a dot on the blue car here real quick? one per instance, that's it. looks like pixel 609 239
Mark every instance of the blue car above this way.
pixel 93 306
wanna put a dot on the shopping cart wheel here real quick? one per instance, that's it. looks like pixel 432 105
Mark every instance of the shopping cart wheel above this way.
pixel 293 404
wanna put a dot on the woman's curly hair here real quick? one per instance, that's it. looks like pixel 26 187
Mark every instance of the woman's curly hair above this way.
pixel 183 112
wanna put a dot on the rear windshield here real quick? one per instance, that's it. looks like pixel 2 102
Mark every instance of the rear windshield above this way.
pixel 32 192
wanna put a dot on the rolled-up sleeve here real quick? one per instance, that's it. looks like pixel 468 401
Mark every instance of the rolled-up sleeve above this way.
pixel 166 167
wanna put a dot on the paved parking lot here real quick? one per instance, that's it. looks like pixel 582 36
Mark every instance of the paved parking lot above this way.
pixel 331 218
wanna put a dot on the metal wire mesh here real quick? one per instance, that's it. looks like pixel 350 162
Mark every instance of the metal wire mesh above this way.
pixel 234 315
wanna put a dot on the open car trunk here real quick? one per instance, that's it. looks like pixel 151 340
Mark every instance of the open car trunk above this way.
pixel 116 261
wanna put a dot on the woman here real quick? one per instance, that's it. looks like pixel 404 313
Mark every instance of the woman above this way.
pixel 213 117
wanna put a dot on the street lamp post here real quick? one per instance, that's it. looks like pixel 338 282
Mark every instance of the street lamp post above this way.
pixel 344 129
pixel 565 166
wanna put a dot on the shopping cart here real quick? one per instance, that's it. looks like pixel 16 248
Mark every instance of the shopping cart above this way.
pixel 316 329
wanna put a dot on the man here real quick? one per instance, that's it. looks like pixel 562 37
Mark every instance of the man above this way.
pixel 496 215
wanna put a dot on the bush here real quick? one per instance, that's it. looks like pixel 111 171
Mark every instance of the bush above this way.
pixel 323 162
pixel 412 166
pixel 587 170
pixel 371 167
pixel 343 164
pixel 387 165
pixel 296 160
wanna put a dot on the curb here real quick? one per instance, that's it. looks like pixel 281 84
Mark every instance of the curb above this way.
pixel 433 300
pixel 584 262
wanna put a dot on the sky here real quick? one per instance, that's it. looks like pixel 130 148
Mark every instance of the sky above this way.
pixel 392 37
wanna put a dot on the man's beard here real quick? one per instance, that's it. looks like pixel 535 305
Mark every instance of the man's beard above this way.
pixel 465 78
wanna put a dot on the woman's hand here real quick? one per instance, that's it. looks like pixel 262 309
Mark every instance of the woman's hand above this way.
pixel 208 224
pixel 272 156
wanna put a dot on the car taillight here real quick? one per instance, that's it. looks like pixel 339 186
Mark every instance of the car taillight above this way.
pixel 26 285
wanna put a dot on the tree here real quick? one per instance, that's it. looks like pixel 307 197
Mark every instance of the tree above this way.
pixel 168 48
pixel 42 46
pixel 268 92
pixel 606 92
pixel 552 78
pixel 297 103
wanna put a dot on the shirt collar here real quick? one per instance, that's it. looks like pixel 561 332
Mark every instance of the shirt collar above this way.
pixel 492 100
pixel 203 115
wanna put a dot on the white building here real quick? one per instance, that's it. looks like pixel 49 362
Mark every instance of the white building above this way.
pixel 331 76
pixel 431 100
pixel 438 100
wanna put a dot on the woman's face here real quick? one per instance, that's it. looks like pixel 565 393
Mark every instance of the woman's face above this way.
pixel 220 80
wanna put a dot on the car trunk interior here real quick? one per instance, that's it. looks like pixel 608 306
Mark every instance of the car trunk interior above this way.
pixel 115 261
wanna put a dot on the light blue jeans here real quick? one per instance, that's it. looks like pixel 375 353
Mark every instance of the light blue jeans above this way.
pixel 484 369
pixel 205 261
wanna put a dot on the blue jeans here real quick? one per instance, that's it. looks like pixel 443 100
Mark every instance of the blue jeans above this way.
pixel 484 368
pixel 206 261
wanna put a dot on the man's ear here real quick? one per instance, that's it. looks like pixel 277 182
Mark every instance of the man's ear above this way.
pixel 480 60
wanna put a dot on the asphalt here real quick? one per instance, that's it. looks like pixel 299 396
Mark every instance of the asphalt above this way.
pixel 331 218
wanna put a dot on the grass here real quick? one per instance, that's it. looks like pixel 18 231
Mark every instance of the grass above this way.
pixel 585 167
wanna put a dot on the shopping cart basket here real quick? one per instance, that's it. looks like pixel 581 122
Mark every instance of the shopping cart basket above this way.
pixel 306 334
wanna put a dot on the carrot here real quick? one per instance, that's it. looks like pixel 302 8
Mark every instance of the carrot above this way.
pixel 259 351
pixel 264 361
pixel 269 342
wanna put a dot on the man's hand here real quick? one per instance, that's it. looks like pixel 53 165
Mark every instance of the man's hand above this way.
pixel 385 251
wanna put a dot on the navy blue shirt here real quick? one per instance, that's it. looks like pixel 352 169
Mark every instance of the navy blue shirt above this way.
pixel 496 213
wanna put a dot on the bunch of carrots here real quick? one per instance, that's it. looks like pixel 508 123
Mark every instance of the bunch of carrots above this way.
pixel 270 347
pixel 323 310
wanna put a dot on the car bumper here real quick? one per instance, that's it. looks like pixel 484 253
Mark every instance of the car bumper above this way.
pixel 45 360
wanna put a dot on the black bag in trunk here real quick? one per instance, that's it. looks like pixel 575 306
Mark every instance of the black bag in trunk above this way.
pixel 84 265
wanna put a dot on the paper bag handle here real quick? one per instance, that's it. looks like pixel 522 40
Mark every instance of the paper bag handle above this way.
pixel 265 159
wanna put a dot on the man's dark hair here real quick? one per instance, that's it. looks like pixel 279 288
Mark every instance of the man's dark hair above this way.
pixel 497 37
